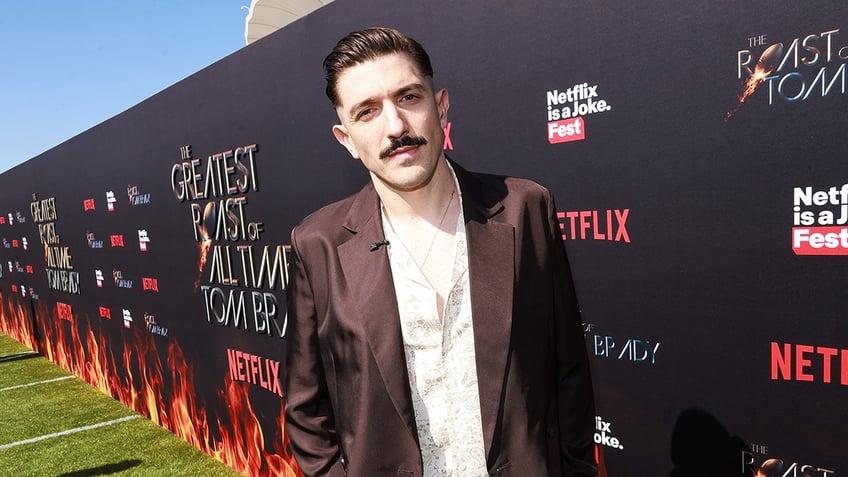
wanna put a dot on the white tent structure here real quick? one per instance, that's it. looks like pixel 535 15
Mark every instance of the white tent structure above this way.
pixel 267 16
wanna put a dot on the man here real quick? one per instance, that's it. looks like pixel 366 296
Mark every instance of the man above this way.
pixel 433 326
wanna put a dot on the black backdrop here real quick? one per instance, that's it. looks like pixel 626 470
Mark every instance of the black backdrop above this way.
pixel 716 339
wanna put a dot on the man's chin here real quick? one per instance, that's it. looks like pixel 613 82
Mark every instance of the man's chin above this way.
pixel 404 182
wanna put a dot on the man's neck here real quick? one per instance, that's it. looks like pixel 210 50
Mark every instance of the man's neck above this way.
pixel 427 202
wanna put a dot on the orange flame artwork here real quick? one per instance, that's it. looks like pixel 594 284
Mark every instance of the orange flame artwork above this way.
pixel 765 66
pixel 136 377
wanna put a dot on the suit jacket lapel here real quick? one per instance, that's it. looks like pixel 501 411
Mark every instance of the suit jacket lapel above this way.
pixel 369 278
pixel 491 265
pixel 491 260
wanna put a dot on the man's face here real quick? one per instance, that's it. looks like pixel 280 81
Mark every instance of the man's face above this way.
pixel 392 120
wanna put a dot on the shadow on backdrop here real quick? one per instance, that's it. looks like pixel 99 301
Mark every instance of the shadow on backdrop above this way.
pixel 702 447
pixel 19 356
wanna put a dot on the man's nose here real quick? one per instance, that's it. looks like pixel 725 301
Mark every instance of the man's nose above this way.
pixel 396 125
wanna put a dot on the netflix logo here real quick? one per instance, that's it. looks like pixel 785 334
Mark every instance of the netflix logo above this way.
pixel 64 311
pixel 127 318
pixel 87 204
pixel 105 313
pixel 143 240
pixel 820 220
pixel 609 225
pixel 117 240
pixel 254 369
pixel 448 144
pixel 603 434
pixel 808 363
pixel 566 110
pixel 151 284
pixel 110 201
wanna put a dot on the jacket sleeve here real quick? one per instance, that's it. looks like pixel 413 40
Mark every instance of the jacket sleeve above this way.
pixel 310 422
pixel 575 397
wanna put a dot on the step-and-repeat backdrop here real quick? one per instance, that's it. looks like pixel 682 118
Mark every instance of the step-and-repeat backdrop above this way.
pixel 697 151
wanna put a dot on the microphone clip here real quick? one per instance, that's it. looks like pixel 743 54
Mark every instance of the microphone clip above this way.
pixel 376 245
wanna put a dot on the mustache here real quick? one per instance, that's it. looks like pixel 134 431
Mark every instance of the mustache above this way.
pixel 400 142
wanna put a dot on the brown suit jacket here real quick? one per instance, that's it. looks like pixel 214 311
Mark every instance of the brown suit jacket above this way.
pixel 348 403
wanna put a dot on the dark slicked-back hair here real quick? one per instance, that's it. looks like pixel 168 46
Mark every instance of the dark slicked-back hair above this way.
pixel 368 44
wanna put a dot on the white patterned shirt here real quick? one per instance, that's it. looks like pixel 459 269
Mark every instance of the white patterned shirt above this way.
pixel 440 361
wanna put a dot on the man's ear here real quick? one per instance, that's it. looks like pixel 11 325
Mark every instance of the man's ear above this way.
pixel 443 104
pixel 344 139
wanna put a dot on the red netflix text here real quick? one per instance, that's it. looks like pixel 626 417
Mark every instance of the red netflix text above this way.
pixel 254 369
pixel 64 311
pixel 797 362
pixel 448 145
pixel 150 284
pixel 595 225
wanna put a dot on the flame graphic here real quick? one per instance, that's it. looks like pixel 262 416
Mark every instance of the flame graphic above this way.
pixel 15 323
pixel 601 461
pixel 755 80
pixel 166 398
pixel 203 247
pixel 765 66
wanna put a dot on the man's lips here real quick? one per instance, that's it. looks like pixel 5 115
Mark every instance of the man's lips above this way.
pixel 402 150
pixel 401 145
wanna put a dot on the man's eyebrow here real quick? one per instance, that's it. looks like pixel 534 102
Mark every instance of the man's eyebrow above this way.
pixel 356 107
pixel 416 87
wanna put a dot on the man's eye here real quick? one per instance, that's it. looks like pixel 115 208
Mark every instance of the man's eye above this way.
pixel 409 97
pixel 364 114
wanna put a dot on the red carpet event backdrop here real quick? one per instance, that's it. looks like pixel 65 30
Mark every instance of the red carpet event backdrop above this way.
pixel 697 151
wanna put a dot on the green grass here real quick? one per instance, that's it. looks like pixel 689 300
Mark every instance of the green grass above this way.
pixel 135 447
pixel 21 365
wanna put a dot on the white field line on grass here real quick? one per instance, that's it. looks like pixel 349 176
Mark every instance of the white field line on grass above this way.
pixel 70 431
pixel 37 383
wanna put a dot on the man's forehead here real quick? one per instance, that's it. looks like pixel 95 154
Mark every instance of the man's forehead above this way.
pixel 385 72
